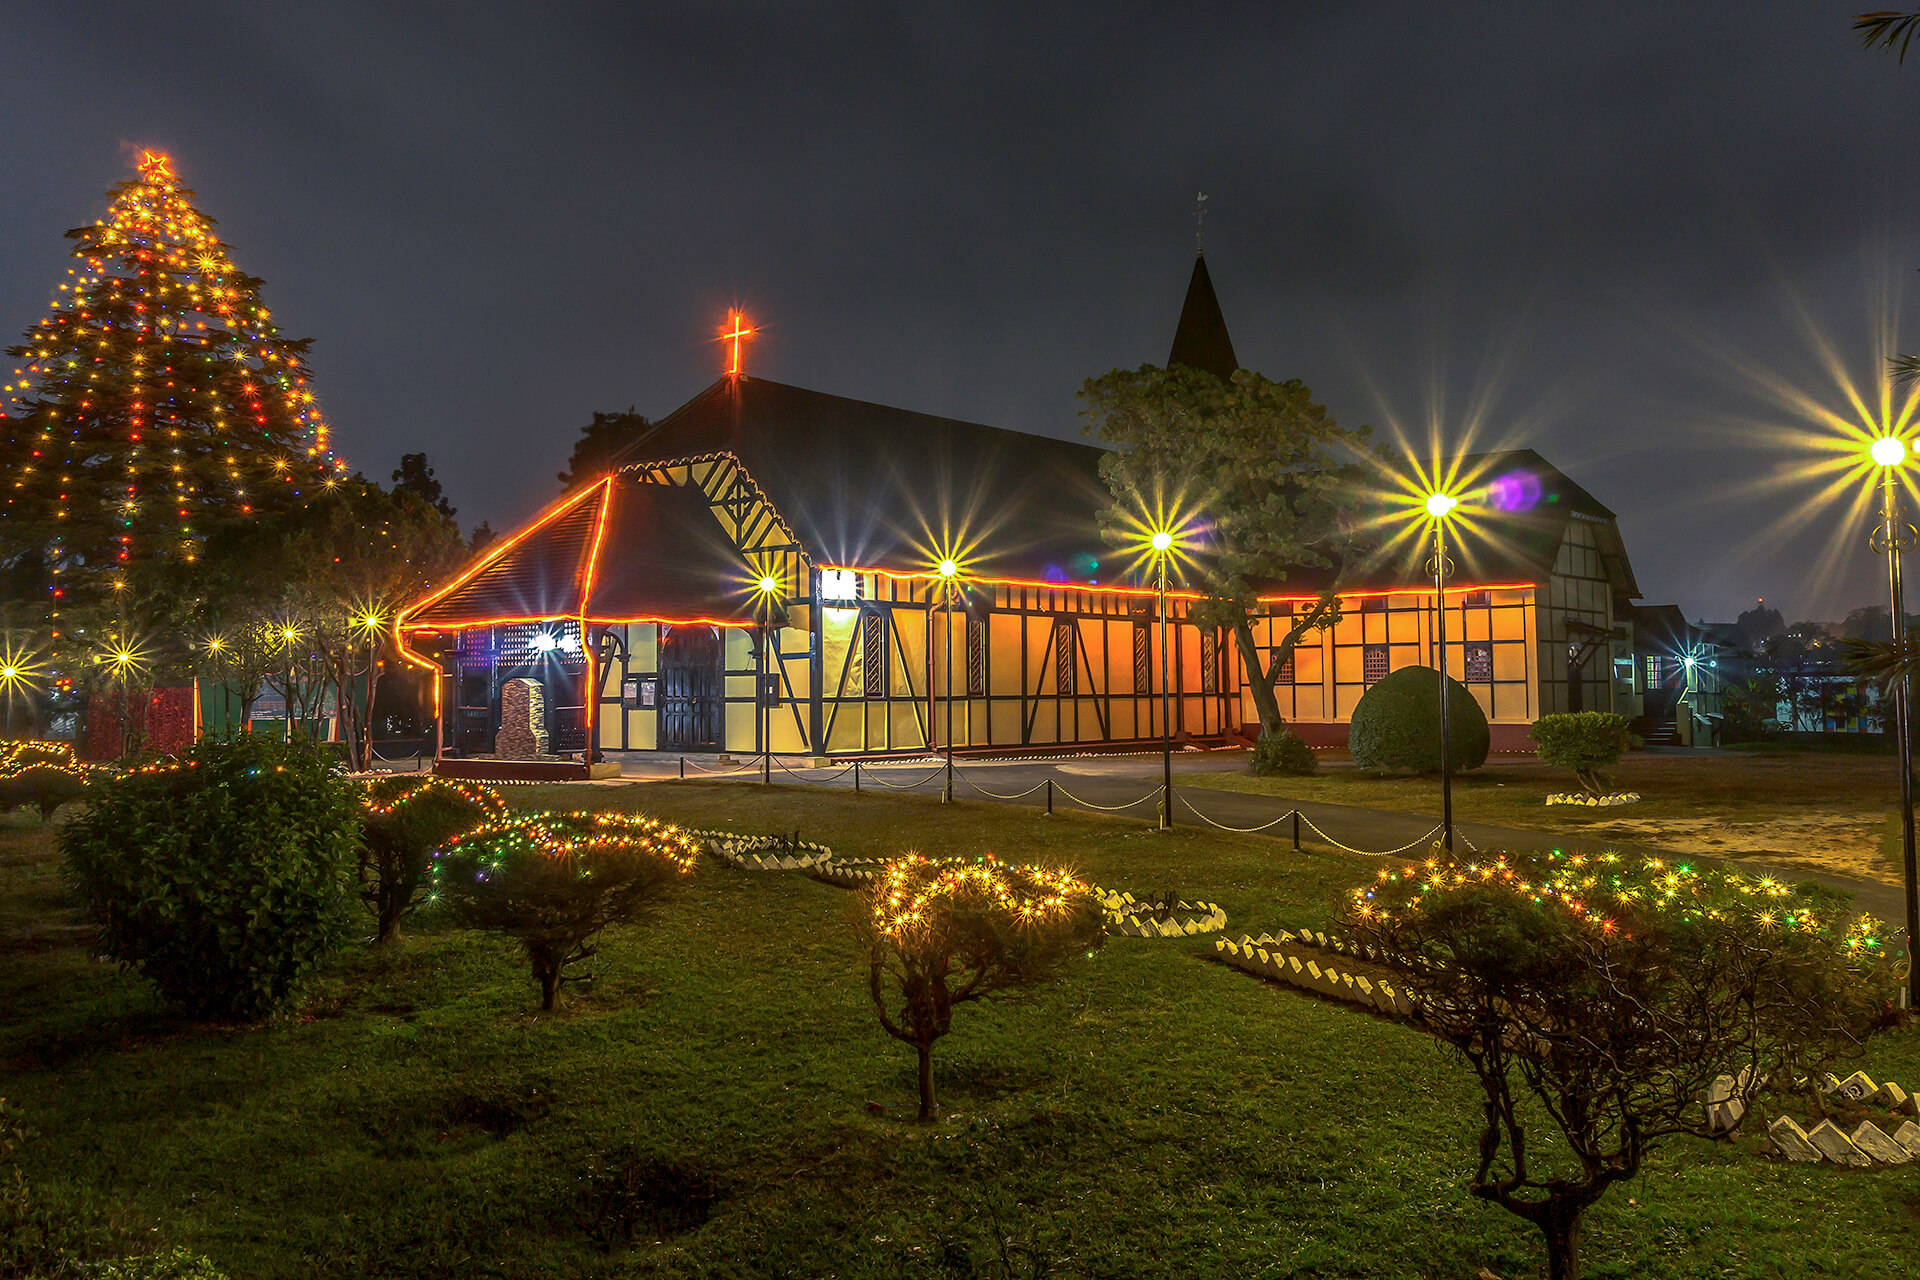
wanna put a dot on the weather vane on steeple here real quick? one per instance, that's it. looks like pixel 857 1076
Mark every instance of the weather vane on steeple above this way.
pixel 1200 223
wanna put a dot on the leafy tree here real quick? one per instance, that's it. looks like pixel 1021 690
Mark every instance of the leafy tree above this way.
pixel 408 818
pixel 554 881
pixel 1585 742
pixel 416 477
pixel 1600 995
pixel 1887 29
pixel 599 442
pixel 942 932
pixel 1267 470
pixel 483 536
pixel 223 876
pixel 1758 625
pixel 155 403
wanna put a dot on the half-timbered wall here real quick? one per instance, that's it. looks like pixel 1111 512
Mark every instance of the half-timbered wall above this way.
pixel 1489 649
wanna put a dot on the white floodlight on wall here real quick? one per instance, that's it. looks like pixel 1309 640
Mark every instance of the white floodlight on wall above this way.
pixel 543 642
pixel 839 586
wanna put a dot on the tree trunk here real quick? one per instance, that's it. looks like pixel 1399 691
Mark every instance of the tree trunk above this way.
pixel 1561 1226
pixel 1259 679
pixel 926 1081
pixel 549 976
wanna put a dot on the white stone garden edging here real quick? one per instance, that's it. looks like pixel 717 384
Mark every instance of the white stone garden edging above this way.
pixel 1264 957
pixel 1128 918
pixel 1586 801
pixel 1869 1144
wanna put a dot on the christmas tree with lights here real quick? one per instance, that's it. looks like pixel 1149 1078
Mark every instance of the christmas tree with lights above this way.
pixel 155 404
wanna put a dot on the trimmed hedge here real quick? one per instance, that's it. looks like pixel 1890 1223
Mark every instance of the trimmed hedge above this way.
pixel 1397 724
pixel 1282 753
pixel 225 875
pixel 1585 742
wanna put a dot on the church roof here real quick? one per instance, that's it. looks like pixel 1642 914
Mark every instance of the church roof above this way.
pixel 1201 341
pixel 622 550
pixel 1515 509
pixel 869 486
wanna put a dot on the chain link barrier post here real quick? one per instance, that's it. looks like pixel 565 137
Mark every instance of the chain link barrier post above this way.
pixel 1296 831
pixel 1049 797
pixel 856 776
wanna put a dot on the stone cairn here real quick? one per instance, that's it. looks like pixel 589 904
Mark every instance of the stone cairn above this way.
pixel 523 721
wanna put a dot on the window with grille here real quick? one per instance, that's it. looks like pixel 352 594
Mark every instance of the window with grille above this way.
pixel 1285 674
pixel 1142 658
pixel 1479 656
pixel 976 657
pixel 1653 671
pixel 1209 662
pixel 1063 645
pixel 873 653
pixel 1374 663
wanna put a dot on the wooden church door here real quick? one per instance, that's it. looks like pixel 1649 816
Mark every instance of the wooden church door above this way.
pixel 691 684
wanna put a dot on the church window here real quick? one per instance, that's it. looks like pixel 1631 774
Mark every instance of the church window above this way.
pixel 1063 646
pixel 1374 663
pixel 873 653
pixel 1209 662
pixel 1142 657
pixel 976 657
pixel 1479 658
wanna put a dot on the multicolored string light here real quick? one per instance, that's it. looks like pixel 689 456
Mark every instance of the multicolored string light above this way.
pixel 912 886
pixel 1605 891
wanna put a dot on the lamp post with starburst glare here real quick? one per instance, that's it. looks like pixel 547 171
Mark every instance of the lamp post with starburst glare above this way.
pixel 1439 507
pixel 1893 536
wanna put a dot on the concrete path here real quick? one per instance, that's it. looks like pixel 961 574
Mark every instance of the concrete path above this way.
pixel 1129 786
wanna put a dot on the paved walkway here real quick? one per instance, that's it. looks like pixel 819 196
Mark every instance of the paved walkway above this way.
pixel 1129 786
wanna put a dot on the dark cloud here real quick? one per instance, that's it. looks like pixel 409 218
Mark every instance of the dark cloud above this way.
pixel 495 219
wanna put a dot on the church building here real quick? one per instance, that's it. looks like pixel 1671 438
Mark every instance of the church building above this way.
pixel 772 566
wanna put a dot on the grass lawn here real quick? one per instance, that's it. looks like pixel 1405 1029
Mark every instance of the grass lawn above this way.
pixel 726 1092
pixel 1827 810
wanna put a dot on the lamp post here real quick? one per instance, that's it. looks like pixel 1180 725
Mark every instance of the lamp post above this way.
pixel 1439 507
pixel 1891 537
pixel 768 588
pixel 289 635
pixel 1162 551
pixel 948 571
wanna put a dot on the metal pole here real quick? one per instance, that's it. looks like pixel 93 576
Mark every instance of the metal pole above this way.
pixel 1166 710
pixel 856 777
pixel 766 721
pixel 947 646
pixel 1296 831
pixel 1049 797
pixel 1440 602
pixel 1902 722
pixel 289 693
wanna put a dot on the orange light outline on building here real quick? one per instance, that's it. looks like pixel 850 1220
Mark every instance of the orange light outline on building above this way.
pixel 467 624
pixel 590 696
pixel 1453 589
pixel 559 508
pixel 1150 592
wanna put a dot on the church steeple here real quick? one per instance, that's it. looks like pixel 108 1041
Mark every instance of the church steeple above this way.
pixel 1201 341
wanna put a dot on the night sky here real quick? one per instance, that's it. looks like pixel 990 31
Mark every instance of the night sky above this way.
pixel 1592 229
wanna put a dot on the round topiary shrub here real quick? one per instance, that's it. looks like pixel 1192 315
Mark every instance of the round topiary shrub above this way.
pixel 225 875
pixel 1397 724
pixel 1282 753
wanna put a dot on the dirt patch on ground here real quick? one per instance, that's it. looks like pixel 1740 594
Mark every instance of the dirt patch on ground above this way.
pixel 1842 843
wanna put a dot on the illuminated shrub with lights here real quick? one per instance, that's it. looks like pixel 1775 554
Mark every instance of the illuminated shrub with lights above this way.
pixel 943 932
pixel 1396 725
pixel 1283 752
pixel 407 818
pixel 1587 742
pixel 554 881
pixel 224 875
pixel 1613 990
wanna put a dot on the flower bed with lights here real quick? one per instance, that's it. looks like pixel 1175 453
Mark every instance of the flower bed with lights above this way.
pixel 1584 800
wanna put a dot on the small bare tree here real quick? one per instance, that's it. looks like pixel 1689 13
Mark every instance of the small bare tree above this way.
pixel 943 932
pixel 554 881
pixel 408 818
pixel 1607 993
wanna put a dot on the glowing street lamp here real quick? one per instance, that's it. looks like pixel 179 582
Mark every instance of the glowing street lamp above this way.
pixel 1439 507
pixel 1892 536
pixel 767 595
pixel 1162 544
pixel 948 570
pixel 289 634
pixel 17 670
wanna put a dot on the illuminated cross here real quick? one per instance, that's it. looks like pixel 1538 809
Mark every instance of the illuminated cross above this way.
pixel 737 330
